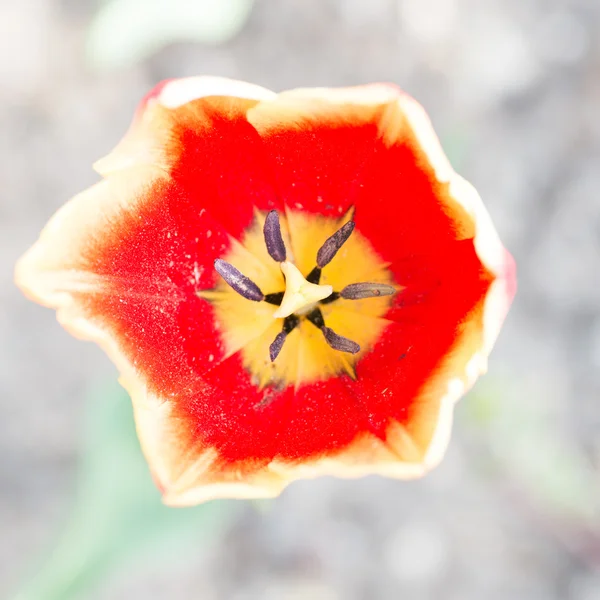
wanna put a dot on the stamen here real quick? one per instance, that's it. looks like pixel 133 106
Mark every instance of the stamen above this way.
pixel 273 239
pixel 339 342
pixel 331 246
pixel 289 323
pixel 314 276
pixel 277 345
pixel 274 298
pixel 358 291
pixel 240 283
pixel 331 298
pixel 316 318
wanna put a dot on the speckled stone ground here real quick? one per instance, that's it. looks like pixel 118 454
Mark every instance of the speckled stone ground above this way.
pixel 513 87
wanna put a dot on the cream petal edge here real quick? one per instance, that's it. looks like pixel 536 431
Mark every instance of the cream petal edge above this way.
pixel 187 488
pixel 177 92
pixel 172 94
pixel 369 94
pixel 41 273
pixel 493 256
pixel 279 473
pixel 487 244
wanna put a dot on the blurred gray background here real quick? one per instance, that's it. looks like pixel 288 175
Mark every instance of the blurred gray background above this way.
pixel 513 89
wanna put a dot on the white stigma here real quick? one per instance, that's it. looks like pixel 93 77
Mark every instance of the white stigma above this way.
pixel 299 294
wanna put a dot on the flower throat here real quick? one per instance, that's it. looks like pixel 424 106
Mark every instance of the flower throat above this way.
pixel 308 318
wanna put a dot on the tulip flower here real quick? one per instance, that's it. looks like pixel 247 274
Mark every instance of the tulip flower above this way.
pixel 291 285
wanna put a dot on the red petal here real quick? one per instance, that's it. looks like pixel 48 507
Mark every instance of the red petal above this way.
pixel 330 157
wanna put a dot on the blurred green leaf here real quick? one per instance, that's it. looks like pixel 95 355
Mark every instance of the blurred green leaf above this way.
pixel 456 146
pixel 118 512
pixel 481 408
pixel 530 448
pixel 124 32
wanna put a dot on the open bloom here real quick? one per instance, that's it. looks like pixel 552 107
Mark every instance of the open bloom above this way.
pixel 291 284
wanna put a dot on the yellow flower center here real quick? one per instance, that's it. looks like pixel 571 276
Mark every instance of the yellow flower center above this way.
pixel 293 321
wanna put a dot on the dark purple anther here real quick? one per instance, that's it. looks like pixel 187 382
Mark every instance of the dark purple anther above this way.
pixel 329 249
pixel 240 283
pixel 273 239
pixel 358 291
pixel 339 342
pixel 277 345
pixel 289 324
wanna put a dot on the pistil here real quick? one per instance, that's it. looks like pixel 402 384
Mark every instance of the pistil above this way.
pixel 299 294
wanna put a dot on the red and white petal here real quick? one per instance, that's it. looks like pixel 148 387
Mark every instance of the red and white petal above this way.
pixel 373 148
pixel 59 262
pixel 150 137
pixel 206 145
pixel 122 263
pixel 174 93
pixel 489 248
